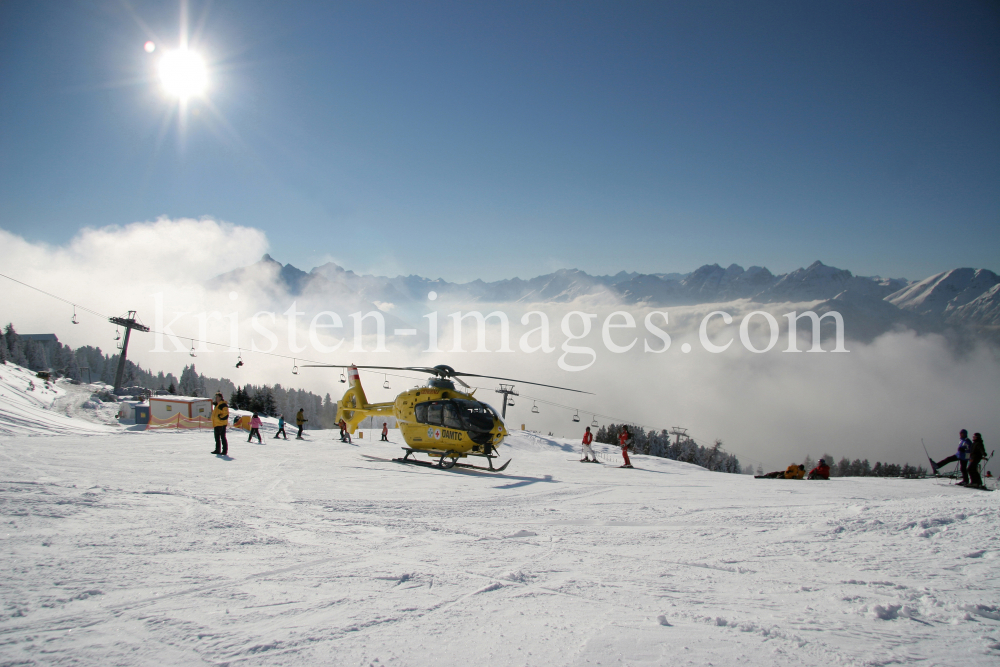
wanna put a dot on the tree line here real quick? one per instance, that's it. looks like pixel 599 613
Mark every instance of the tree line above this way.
pixel 863 468
pixel 681 448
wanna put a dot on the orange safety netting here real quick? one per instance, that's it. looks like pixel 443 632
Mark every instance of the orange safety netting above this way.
pixel 180 421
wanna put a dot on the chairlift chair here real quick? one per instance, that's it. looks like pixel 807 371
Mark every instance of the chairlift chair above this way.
pixel 74 320
pixel 594 423
pixel 343 379
pixel 576 417
pixel 192 348
pixel 295 368
pixel 534 407
pixel 385 385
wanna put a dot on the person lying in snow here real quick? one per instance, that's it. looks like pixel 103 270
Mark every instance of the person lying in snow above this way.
pixel 795 471
pixel 821 471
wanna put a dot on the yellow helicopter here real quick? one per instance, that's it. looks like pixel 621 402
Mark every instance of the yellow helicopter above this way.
pixel 438 420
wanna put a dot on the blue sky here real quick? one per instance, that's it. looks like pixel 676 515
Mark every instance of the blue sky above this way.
pixel 490 140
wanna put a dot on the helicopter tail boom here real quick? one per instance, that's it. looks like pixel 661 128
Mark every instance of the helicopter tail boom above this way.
pixel 354 407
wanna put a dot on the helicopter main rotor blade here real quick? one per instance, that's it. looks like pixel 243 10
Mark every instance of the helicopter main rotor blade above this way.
pixel 381 368
pixel 537 384
pixel 415 369
pixel 436 371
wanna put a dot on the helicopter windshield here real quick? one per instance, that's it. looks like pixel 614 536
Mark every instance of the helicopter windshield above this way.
pixel 457 414
pixel 477 416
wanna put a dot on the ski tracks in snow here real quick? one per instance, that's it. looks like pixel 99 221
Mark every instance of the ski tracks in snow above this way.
pixel 316 555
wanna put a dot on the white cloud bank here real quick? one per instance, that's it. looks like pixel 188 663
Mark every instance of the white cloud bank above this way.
pixel 875 402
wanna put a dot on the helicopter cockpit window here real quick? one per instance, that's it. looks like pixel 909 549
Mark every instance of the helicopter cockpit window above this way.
pixel 492 410
pixel 420 412
pixel 451 418
pixel 477 416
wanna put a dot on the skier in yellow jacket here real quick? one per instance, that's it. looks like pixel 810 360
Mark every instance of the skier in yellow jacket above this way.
pixel 300 421
pixel 220 421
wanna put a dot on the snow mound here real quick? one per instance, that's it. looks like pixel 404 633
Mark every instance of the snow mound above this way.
pixel 527 441
pixel 32 406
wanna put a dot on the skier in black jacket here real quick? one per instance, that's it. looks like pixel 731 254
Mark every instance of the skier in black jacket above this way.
pixel 977 454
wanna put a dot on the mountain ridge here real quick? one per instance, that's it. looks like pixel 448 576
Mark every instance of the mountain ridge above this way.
pixel 963 296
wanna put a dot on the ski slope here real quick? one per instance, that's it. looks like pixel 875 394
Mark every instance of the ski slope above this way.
pixel 31 406
pixel 137 548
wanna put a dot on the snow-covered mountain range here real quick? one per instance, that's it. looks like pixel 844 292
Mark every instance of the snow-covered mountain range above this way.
pixel 958 297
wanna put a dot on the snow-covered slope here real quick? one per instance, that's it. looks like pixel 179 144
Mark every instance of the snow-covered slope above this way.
pixel 867 317
pixel 30 406
pixel 316 552
pixel 984 309
pixel 945 292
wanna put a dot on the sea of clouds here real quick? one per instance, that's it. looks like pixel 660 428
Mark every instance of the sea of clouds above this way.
pixel 875 401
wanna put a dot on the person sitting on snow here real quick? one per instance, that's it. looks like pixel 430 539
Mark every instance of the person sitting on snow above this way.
pixel 821 471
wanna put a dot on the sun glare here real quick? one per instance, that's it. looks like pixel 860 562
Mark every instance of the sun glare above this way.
pixel 183 73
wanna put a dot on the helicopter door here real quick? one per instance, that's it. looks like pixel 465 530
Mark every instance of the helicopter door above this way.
pixel 428 413
pixel 450 417
pixel 434 411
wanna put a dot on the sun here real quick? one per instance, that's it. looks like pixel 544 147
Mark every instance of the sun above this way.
pixel 183 73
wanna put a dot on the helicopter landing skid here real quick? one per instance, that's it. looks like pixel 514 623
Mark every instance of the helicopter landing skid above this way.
pixel 448 460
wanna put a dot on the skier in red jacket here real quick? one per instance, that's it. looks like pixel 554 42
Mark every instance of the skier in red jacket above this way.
pixel 624 438
pixel 588 451
pixel 821 471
